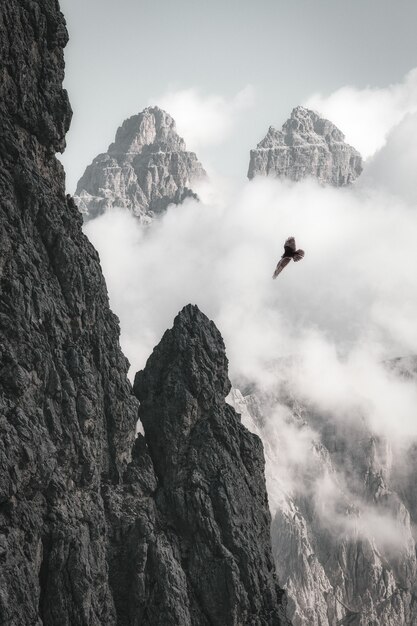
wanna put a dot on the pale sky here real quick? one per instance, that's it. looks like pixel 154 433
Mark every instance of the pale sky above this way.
pixel 126 55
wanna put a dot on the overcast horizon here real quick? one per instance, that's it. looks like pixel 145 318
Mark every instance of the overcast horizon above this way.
pixel 250 64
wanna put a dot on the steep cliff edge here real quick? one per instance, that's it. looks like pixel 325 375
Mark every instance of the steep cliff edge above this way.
pixel 146 168
pixel 67 414
pixel 211 477
pixel 90 533
pixel 307 145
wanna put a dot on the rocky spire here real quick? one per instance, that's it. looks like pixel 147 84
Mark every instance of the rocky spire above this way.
pixel 211 477
pixel 145 169
pixel 307 145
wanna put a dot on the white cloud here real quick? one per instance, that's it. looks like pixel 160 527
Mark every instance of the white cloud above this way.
pixel 348 306
pixel 386 526
pixel 392 168
pixel 366 116
pixel 205 120
pixel 357 388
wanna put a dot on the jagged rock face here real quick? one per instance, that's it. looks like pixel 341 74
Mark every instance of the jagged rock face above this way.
pixel 144 170
pixel 334 564
pixel 66 410
pixel 85 533
pixel 307 145
pixel 211 478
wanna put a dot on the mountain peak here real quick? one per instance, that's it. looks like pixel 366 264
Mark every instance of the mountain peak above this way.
pixel 151 127
pixel 210 471
pixel 307 145
pixel 145 169
pixel 311 126
pixel 191 355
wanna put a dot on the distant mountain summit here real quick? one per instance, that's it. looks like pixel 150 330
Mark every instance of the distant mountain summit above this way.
pixel 307 145
pixel 146 168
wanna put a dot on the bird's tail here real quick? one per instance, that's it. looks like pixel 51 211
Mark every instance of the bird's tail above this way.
pixel 299 254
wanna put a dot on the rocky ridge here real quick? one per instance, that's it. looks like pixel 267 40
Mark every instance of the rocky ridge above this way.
pixel 144 170
pixel 307 145
pixel 349 556
pixel 96 527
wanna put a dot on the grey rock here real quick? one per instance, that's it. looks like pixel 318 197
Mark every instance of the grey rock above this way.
pixel 144 170
pixel 67 415
pixel 307 145
pixel 211 478
pixel 334 575
pixel 87 536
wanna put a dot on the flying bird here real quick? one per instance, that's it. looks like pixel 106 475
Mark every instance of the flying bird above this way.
pixel 289 253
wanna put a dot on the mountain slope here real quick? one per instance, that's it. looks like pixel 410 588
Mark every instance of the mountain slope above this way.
pixel 342 530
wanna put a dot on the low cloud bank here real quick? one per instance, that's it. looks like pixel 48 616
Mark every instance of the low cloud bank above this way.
pixel 354 289
pixel 366 116
pixel 325 326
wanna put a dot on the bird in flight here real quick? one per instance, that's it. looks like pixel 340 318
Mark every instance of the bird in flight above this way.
pixel 289 253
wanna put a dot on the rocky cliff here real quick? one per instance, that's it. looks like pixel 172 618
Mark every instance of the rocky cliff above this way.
pixel 144 170
pixel 342 530
pixel 307 145
pixel 67 414
pixel 210 473
pixel 97 527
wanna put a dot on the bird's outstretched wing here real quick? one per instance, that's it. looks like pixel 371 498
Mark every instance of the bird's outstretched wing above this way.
pixel 299 254
pixel 290 243
pixel 281 264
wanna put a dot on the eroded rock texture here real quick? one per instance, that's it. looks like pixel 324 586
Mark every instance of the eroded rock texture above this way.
pixel 307 145
pixel 67 416
pixel 145 169
pixel 211 478
pixel 95 528
pixel 343 521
